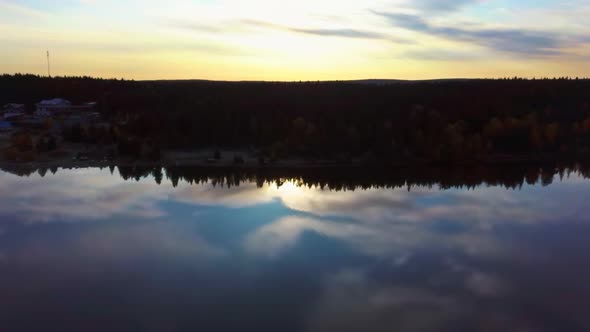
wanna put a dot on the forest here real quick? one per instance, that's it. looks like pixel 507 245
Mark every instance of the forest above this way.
pixel 438 121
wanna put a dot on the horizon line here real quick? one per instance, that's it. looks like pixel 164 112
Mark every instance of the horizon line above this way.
pixel 360 80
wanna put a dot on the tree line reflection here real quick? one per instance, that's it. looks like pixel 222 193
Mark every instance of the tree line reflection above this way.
pixel 464 177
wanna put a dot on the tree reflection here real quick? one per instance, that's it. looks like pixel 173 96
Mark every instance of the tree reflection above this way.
pixel 465 177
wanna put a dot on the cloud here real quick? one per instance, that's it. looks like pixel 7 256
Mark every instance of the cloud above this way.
pixel 154 238
pixel 96 194
pixel 78 195
pixel 272 239
pixel 326 32
pixel 515 41
pixel 485 285
pixel 20 10
pixel 239 25
pixel 247 194
pixel 351 300
pixel 441 55
pixel 419 279
pixel 105 245
pixel 190 25
pixel 441 5
pixel 386 239
pixel 395 222
pixel 348 33
pixel 351 33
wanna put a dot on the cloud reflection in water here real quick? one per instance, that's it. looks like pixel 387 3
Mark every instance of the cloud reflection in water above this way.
pixel 444 260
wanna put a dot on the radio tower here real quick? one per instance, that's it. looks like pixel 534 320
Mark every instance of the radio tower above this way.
pixel 48 65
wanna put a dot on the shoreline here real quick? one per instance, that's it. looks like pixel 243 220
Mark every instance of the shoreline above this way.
pixel 296 164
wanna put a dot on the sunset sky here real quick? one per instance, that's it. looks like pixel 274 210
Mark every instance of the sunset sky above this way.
pixel 296 40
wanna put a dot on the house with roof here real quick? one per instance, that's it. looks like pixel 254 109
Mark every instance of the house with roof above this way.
pixel 15 107
pixel 57 106
pixel 13 111
pixel 46 108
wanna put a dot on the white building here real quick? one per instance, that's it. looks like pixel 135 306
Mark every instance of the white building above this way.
pixel 13 111
pixel 51 107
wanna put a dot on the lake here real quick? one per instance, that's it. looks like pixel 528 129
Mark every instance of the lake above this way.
pixel 105 250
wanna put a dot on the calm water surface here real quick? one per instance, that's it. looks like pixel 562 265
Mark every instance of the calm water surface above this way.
pixel 84 250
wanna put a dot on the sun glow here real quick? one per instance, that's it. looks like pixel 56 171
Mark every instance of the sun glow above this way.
pixel 291 192
pixel 288 187
pixel 303 40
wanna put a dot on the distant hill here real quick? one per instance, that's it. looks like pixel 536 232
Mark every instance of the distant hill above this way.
pixel 365 81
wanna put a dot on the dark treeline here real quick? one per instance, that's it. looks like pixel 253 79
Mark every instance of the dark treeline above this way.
pixel 462 177
pixel 434 121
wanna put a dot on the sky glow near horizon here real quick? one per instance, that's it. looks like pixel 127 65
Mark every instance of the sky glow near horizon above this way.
pixel 298 40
